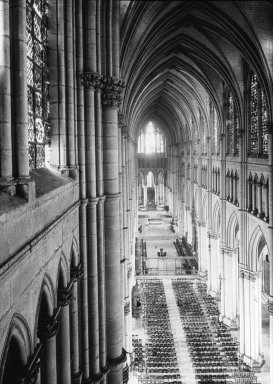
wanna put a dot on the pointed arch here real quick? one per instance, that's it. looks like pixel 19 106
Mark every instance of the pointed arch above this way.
pixel 17 349
pixel 63 272
pixel 205 208
pixel 255 248
pixel 216 218
pixel 74 260
pixel 232 231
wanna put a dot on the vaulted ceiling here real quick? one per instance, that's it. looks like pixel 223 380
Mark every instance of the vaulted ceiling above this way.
pixel 177 57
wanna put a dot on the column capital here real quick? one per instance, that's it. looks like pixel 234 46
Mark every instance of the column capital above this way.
pixel 65 296
pixel 111 88
pixel 249 275
pixel 49 327
pixel 93 201
pixel 91 80
pixel 77 378
pixel 126 308
pixel 270 305
pixel 102 199
pixel 213 235
pixel 76 272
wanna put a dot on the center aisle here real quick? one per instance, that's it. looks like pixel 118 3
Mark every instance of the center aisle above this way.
pixel 181 348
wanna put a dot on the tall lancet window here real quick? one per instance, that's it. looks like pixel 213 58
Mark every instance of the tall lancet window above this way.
pixel 151 140
pixel 204 134
pixel 37 81
pixel 232 126
pixel 258 132
pixel 215 139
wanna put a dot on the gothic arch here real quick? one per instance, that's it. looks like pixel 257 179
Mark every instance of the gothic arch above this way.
pixel 205 209
pixel 256 245
pixel 216 218
pixel 74 261
pixel 232 231
pixel 17 349
pixel 63 273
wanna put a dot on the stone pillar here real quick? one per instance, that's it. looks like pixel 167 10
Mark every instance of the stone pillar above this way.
pixel 252 355
pixel 145 193
pixel 76 273
pixel 6 174
pixel 69 86
pixel 93 306
pixel 82 186
pixel 101 285
pixel 111 89
pixel 62 91
pixel 63 337
pixel 20 98
pixel 47 334
pixel 229 287
pixel 269 217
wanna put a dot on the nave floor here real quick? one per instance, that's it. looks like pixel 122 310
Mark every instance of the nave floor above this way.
pixel 178 340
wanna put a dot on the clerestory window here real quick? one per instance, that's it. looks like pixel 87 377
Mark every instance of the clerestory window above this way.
pixel 37 81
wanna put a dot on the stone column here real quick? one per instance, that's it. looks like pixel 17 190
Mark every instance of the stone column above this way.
pixel 62 91
pixel 93 305
pixel 63 337
pixel 91 82
pixel 145 193
pixel 69 86
pixel 242 311
pixel 6 174
pixel 269 217
pixel 76 273
pixel 20 98
pixel 111 89
pixel 47 334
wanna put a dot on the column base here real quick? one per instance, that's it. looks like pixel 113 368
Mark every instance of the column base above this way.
pixel 8 186
pixel 256 365
pixel 203 275
pixel 25 188
pixel 233 324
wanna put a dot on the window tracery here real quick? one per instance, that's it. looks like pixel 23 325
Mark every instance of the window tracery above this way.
pixel 232 126
pixel 258 130
pixel 37 81
pixel 151 140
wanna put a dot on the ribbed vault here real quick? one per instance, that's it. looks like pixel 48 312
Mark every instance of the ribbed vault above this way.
pixel 178 57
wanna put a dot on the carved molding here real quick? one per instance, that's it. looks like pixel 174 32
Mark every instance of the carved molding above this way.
pixel 126 308
pixel 111 88
pixel 76 272
pixel 118 360
pixel 76 378
pixel 125 374
pixel 49 328
pixel 91 80
pixel 213 235
pixel 249 275
pixel 65 296
pixel 270 305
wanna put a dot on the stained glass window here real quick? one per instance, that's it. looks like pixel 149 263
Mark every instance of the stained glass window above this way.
pixel 151 140
pixel 37 81
pixel 215 148
pixel 232 126
pixel 258 134
pixel 254 126
pixel 264 125
pixel 204 134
